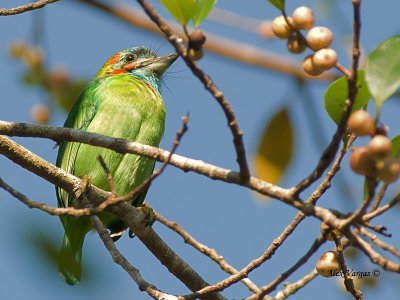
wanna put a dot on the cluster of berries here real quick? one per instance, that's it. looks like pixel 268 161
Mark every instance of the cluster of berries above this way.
pixel 376 159
pixel 318 38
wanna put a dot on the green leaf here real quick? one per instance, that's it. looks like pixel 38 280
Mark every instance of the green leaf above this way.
pixel 396 146
pixel 182 10
pixel 279 4
pixel 382 72
pixel 275 148
pixel 203 8
pixel 337 93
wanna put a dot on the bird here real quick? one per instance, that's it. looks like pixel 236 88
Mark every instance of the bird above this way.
pixel 122 101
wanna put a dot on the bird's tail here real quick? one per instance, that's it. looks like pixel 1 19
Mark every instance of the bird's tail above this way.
pixel 69 264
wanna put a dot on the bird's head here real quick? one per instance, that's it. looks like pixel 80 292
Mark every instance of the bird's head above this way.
pixel 139 62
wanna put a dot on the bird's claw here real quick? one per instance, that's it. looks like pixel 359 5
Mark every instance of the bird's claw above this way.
pixel 149 219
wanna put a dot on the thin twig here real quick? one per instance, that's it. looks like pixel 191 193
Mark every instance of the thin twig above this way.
pixel 372 183
pixel 209 85
pixel 380 229
pixel 380 210
pixel 71 211
pixel 372 254
pixel 348 280
pixel 292 288
pixel 119 259
pixel 110 178
pixel 211 253
pixel 265 290
pixel 381 244
pixel 379 196
pixel 266 255
pixel 24 8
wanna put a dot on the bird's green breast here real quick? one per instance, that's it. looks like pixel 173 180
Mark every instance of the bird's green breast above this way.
pixel 128 108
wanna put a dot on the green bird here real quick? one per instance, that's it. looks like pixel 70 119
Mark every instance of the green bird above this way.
pixel 123 101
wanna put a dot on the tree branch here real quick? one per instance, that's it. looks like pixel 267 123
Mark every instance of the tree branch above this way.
pixel 119 259
pixel 134 218
pixel 24 8
pixel 59 134
pixel 272 286
pixel 209 85
pixel 292 288
pixel 12 151
pixel 211 253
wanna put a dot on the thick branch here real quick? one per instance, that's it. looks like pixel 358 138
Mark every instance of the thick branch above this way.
pixel 119 259
pixel 59 134
pixel 134 218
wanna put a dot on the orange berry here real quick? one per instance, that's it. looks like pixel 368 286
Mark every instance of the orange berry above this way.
pixel 328 264
pixel 280 28
pixel 197 39
pixel 361 161
pixel 195 54
pixel 325 58
pixel 310 68
pixel 303 18
pixel 389 171
pixel 361 123
pixel 319 37
pixel 296 44
pixel 380 146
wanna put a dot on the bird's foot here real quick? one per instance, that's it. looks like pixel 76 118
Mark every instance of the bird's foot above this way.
pixel 150 217
pixel 85 185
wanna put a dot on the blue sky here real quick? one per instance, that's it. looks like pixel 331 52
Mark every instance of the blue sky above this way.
pixel 225 217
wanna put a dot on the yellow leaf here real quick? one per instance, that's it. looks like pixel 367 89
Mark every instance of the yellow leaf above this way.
pixel 275 148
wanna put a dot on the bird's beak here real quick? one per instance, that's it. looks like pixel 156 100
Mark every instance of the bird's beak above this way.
pixel 159 64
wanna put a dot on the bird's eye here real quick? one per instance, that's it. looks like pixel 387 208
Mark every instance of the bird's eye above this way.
pixel 129 58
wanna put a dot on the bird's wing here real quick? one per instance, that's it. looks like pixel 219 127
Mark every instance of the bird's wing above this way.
pixel 82 113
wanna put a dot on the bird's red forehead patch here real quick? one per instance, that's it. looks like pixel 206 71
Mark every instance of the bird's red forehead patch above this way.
pixel 113 59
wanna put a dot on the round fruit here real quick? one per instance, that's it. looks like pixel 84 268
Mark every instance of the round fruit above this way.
pixel 325 58
pixel 296 44
pixel 361 123
pixel 310 68
pixel 380 146
pixel 303 18
pixel 324 227
pixel 319 37
pixel 195 54
pixel 361 161
pixel 280 28
pixel 390 170
pixel 328 264
pixel 197 39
